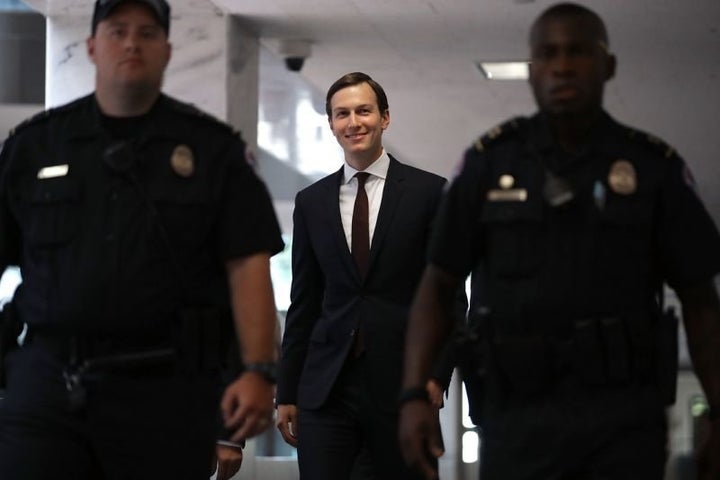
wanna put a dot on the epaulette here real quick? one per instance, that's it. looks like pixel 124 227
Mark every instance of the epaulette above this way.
pixel 651 141
pixel 194 112
pixel 499 133
pixel 45 115
pixel 37 118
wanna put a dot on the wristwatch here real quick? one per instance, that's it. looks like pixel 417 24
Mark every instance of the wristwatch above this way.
pixel 267 370
pixel 413 393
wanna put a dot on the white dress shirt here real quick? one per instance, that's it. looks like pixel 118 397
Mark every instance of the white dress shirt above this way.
pixel 374 186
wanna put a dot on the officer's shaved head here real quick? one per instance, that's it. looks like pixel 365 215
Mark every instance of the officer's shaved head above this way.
pixel 567 10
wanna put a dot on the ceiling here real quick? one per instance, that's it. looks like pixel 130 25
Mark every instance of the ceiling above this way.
pixel 424 52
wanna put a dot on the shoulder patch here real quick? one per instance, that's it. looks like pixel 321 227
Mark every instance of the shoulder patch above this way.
pixel 498 133
pixel 651 142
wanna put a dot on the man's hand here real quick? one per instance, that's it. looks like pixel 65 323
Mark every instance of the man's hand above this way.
pixel 435 392
pixel 228 460
pixel 287 423
pixel 247 406
pixel 420 437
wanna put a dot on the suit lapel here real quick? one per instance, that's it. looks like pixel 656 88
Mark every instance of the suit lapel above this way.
pixel 332 203
pixel 392 192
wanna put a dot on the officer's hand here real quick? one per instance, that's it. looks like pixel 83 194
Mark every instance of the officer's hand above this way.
pixel 229 459
pixel 709 451
pixel 287 423
pixel 420 438
pixel 435 392
pixel 247 406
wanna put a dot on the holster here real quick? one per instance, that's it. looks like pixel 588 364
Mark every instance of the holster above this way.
pixel 471 356
pixel 10 329
pixel 667 355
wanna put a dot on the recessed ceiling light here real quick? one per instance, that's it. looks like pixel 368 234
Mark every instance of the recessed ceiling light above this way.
pixel 504 70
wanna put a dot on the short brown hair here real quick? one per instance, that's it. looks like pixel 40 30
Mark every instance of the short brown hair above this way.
pixel 356 78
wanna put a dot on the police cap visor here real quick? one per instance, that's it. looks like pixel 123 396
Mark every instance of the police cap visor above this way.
pixel 160 8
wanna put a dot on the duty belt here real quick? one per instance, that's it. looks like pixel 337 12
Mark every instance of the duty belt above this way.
pixel 83 346
pixel 597 351
pixel 96 355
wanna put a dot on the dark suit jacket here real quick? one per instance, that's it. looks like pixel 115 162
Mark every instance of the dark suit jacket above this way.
pixel 329 298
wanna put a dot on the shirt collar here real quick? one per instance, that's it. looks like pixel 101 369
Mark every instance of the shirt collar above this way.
pixel 378 168
pixel 600 141
pixel 542 139
pixel 86 122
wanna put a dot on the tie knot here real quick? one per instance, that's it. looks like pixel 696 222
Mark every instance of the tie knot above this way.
pixel 362 178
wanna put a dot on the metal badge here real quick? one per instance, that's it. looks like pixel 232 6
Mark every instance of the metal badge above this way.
pixel 506 181
pixel 182 161
pixel 622 178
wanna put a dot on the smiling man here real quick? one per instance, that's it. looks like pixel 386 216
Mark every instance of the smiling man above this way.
pixel 574 222
pixel 141 234
pixel 359 245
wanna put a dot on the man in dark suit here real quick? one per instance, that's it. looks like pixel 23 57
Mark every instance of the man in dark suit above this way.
pixel 353 281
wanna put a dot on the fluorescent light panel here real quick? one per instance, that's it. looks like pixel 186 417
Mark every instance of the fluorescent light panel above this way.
pixel 504 70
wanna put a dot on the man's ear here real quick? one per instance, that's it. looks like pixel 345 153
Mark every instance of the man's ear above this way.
pixel 530 73
pixel 169 54
pixel 90 48
pixel 385 122
pixel 611 66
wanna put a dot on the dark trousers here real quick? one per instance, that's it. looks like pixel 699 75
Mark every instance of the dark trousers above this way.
pixel 576 433
pixel 147 424
pixel 332 437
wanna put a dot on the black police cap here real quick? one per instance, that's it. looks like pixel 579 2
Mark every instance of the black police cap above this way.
pixel 160 8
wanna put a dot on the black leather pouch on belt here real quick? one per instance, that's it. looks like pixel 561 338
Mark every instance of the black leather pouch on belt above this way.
pixel 523 363
pixel 602 351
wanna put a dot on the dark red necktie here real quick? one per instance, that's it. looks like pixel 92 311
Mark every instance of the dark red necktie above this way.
pixel 360 238
pixel 360 246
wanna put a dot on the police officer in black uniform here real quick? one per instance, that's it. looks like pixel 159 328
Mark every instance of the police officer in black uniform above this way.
pixel 141 232
pixel 578 221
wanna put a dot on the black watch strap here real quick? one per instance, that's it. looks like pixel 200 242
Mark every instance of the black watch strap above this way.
pixel 268 370
pixel 413 393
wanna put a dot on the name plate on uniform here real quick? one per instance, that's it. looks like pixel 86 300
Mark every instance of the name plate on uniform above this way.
pixel 53 171
pixel 507 195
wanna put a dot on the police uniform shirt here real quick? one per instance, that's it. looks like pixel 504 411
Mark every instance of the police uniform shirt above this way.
pixel 115 232
pixel 631 220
